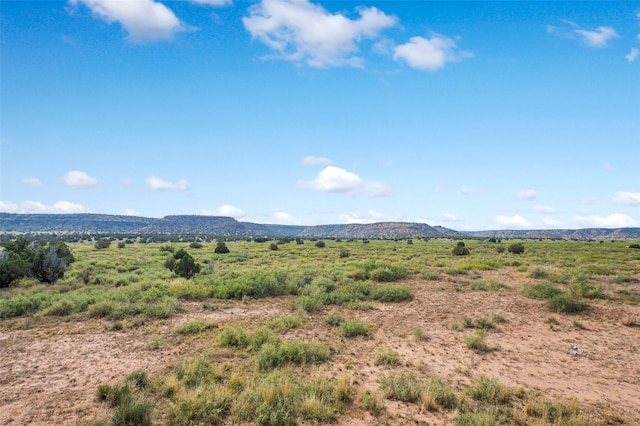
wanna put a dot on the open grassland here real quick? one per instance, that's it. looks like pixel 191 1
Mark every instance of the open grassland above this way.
pixel 352 333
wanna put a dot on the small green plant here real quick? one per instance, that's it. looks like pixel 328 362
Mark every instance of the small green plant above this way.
pixel 284 323
pixel 566 304
pixel 274 247
pixel 373 402
pixel 354 328
pixel 405 387
pixel 333 319
pixel 344 253
pixel 489 390
pixel 195 245
pixel 386 357
pixel 419 334
pixel 477 341
pixel 182 264
pixel 196 326
pixel 320 244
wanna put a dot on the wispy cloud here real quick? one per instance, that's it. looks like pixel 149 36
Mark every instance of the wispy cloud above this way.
pixel 628 198
pixel 600 37
pixel 429 54
pixel 450 217
pixel 311 160
pixel 28 206
pixel 544 209
pixel 143 20
pixel 131 212
pixel 31 181
pixel 156 184
pixel 369 216
pixel 335 179
pixel 632 55
pixel 225 210
pixel 283 218
pixel 616 220
pixel 512 222
pixel 216 3
pixel 300 31
pixel 551 223
pixel 527 194
pixel 79 179
pixel 608 167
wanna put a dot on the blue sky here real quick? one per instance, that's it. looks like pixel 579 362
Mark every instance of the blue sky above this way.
pixel 470 115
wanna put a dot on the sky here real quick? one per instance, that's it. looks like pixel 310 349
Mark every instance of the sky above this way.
pixel 468 115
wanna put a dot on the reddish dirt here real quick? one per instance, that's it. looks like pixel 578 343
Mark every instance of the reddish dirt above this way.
pixel 49 372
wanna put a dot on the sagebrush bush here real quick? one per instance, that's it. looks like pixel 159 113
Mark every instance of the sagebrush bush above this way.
pixel 355 327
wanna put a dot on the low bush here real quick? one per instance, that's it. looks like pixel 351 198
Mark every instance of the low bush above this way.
pixel 405 387
pixel 354 328
pixel 516 248
pixel 566 304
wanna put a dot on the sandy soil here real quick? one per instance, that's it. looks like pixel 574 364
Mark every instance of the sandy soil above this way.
pixel 49 372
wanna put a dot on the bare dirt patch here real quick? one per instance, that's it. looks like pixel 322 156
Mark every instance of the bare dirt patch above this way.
pixel 49 373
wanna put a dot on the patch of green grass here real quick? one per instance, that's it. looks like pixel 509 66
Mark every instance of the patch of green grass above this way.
pixel 373 402
pixel 386 357
pixel 391 293
pixel 489 390
pixel 405 387
pixel 275 354
pixel 566 304
pixel 477 341
pixel 283 324
pixel 542 291
pixel 196 326
pixel 354 328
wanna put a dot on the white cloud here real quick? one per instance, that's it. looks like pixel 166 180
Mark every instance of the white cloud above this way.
pixel 28 206
pixel 361 217
pixel 429 54
pixel 32 182
pixel 633 54
pixel 616 220
pixel 79 179
pixel 544 209
pixel 551 223
pixel 311 160
pixel 449 217
pixel 157 184
pixel 144 20
pixel 512 222
pixel 213 2
pixel 225 210
pixel 598 38
pixel 375 189
pixel 335 179
pixel 283 218
pixel 131 212
pixel 300 31
pixel 527 194
pixel 628 198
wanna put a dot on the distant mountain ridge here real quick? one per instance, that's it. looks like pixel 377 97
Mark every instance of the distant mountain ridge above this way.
pixel 228 227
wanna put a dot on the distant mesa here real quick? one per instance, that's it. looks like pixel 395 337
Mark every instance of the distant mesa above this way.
pixel 229 227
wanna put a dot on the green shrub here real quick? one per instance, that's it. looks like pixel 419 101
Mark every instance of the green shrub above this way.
pixel 476 341
pixel 274 354
pixel 102 243
pixel 566 304
pixel 182 264
pixel 12 268
pixel 133 412
pixel 405 387
pixel 586 290
pixel 284 323
pixel 273 247
pixel 196 326
pixel 195 245
pixel 201 408
pixel 221 248
pixel 320 244
pixel 516 248
pixel 354 328
pixel 460 249
pixel 542 291
pixel 489 390
pixel 193 373
pixel 386 357
pixel 391 293
pixel 373 403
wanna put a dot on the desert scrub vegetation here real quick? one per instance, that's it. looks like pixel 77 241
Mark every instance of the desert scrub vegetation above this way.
pixel 354 327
